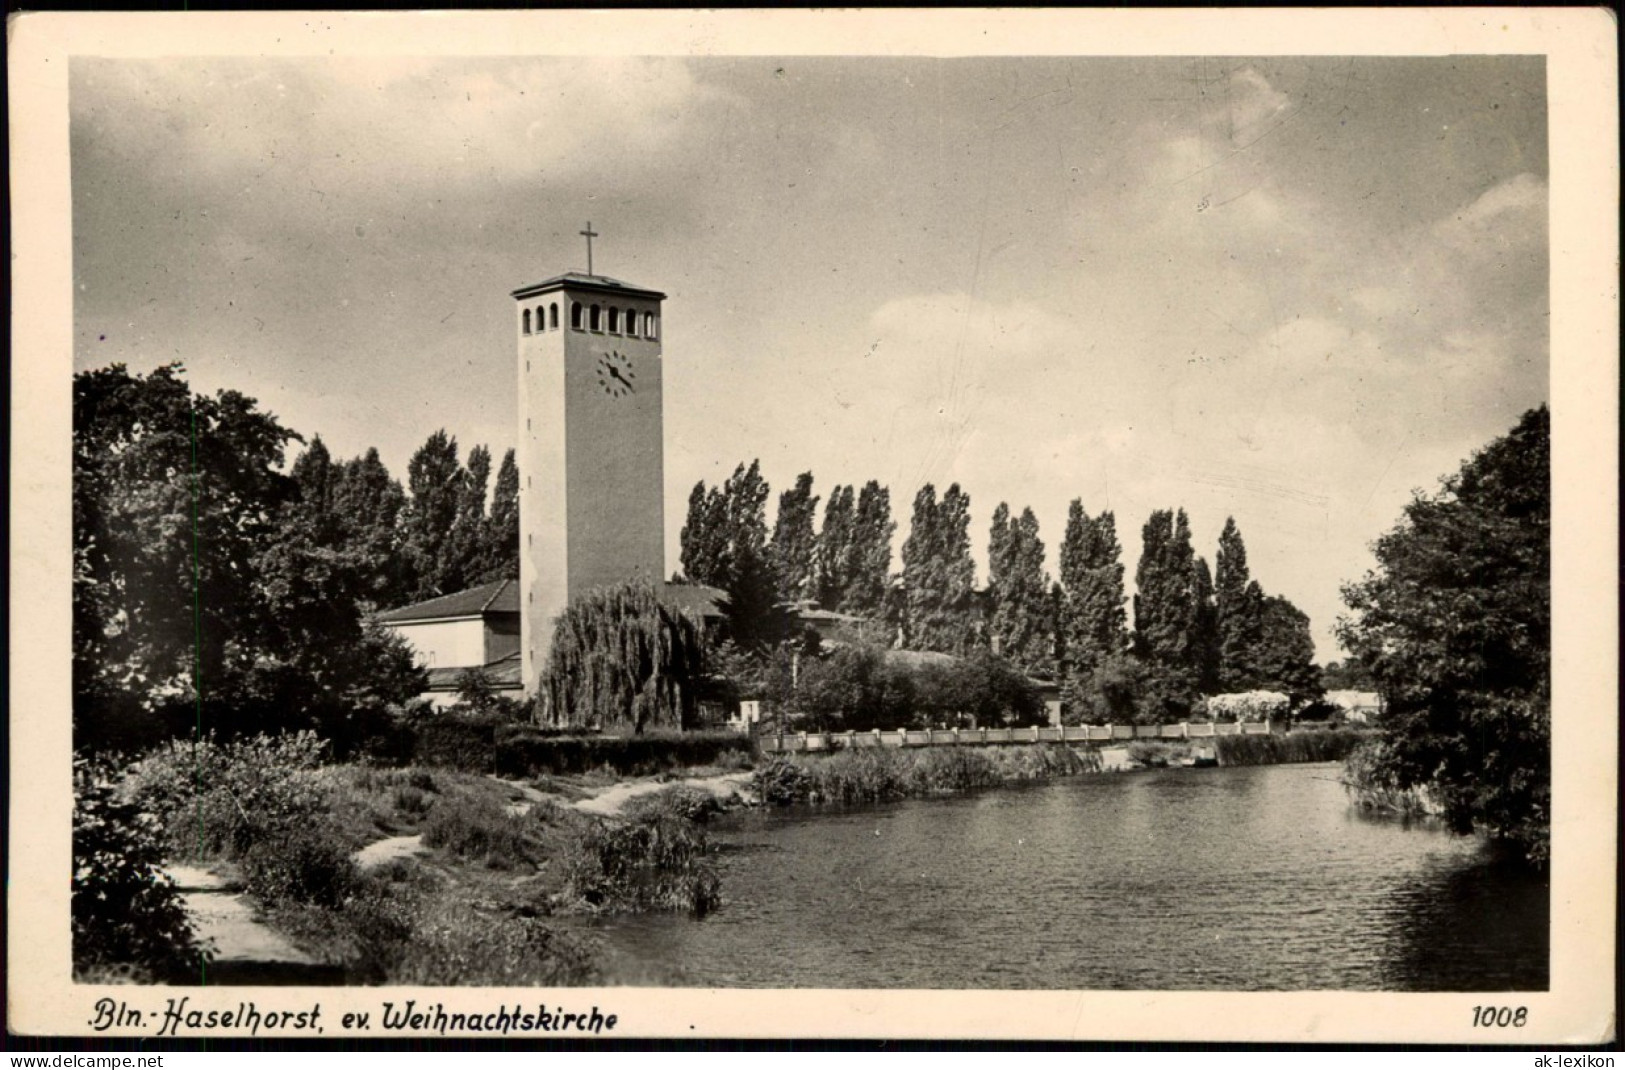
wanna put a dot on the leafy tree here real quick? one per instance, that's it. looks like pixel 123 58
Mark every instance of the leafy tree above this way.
pixel 1165 612
pixel 1118 690
pixel 1350 674
pixel 209 588
pixel 126 912
pixel 1454 624
pixel 622 660
pixel 1285 656
pixel 172 495
pixel 1022 627
pixel 981 690
pixel 854 689
pixel 938 574
pixel 369 503
pixel 794 541
pixel 833 565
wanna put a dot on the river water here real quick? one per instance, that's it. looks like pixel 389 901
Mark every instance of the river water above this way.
pixel 1230 878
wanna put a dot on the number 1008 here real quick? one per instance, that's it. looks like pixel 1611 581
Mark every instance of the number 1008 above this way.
pixel 1500 1016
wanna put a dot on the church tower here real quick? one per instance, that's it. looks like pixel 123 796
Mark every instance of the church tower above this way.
pixel 591 504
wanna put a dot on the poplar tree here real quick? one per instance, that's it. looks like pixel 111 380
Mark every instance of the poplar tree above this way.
pixel 794 542
pixel 833 558
pixel 1165 613
pixel 869 574
pixel 434 477
pixel 1093 623
pixel 500 560
pixel 938 574
pixel 465 550
pixel 725 545
pixel 704 537
pixel 1021 626
pixel 1239 605
pixel 370 503
pixel 1205 631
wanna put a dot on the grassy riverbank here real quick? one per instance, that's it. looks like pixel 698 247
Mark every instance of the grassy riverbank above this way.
pixel 879 774
pixel 476 877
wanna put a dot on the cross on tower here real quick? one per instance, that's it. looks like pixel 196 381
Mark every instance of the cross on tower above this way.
pixel 589 234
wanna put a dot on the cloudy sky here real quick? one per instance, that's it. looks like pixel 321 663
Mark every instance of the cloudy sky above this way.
pixel 1288 290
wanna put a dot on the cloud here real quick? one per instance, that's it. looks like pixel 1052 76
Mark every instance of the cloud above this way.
pixel 398 129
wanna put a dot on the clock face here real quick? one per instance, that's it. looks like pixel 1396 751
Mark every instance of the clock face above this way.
pixel 615 374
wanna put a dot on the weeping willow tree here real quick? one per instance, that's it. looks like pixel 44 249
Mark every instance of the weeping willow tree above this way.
pixel 622 660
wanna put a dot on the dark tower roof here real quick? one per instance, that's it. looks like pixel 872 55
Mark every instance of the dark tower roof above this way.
pixel 575 280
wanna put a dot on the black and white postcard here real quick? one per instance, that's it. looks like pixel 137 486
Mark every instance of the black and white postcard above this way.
pixel 957 524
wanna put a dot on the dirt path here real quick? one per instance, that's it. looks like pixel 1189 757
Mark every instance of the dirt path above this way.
pixel 614 799
pixel 385 851
pixel 247 951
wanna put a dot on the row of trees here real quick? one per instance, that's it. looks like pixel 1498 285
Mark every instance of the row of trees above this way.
pixel 1192 633
pixel 437 539
pixel 211 586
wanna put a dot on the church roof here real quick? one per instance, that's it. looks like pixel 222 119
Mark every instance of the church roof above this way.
pixel 694 597
pixel 576 280
pixel 502 674
pixel 501 596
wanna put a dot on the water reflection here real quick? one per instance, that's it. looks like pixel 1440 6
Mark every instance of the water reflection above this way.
pixel 1259 878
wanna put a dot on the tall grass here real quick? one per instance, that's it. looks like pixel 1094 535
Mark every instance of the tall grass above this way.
pixel 1284 748
pixel 881 773
pixel 1373 788
pixel 652 861
pixel 401 926
pixel 480 830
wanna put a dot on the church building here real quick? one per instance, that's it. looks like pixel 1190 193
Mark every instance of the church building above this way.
pixel 591 458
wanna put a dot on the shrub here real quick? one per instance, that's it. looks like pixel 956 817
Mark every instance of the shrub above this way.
pixel 689 804
pixel 465 743
pixel 455 944
pixel 414 802
pixel 1149 752
pixel 1248 706
pixel 478 829
pixel 396 932
pixel 126 912
pixel 299 864
pixel 651 861
pixel 213 798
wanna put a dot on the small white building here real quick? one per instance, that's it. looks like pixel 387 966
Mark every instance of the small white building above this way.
pixel 1357 706
pixel 473 629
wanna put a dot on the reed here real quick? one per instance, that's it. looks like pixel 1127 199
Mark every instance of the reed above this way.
pixel 652 861
pixel 878 774
pixel 1288 747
